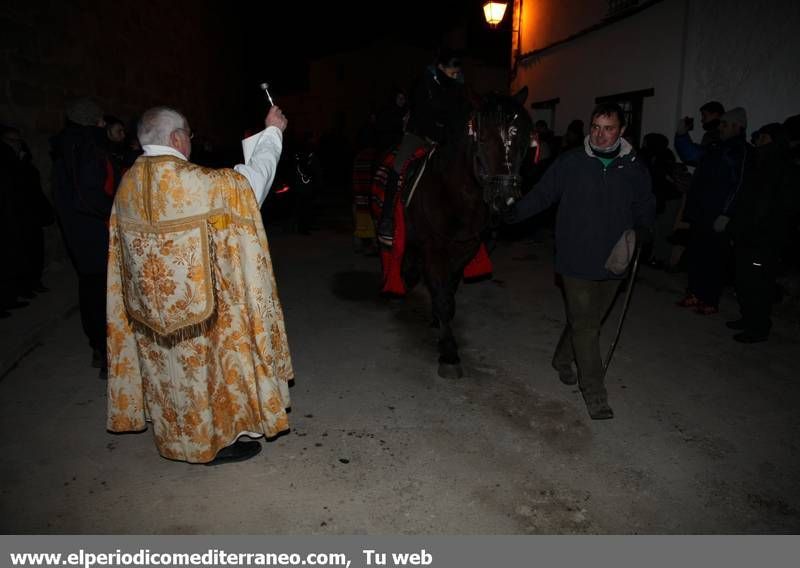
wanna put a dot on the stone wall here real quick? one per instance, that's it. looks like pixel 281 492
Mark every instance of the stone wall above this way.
pixel 641 52
pixel 739 52
pixel 744 53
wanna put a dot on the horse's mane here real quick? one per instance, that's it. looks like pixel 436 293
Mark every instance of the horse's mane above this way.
pixel 496 101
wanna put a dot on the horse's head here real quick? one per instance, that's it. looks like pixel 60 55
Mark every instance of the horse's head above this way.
pixel 501 132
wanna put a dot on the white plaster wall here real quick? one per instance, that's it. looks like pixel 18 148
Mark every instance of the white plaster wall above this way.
pixel 641 52
pixel 740 52
pixel 744 53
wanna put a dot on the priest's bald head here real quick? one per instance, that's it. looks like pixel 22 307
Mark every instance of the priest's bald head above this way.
pixel 165 126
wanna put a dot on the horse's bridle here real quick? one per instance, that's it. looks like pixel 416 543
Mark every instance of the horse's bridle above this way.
pixel 499 190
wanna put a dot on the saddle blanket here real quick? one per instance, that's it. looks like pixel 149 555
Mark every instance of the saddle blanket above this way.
pixel 392 258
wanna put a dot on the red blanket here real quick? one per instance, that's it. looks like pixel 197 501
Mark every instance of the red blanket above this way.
pixel 392 259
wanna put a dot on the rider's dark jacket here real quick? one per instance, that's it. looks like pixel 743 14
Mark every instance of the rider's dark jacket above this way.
pixel 597 204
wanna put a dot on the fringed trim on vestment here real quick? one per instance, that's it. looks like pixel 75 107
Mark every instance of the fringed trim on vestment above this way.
pixel 183 334
pixel 196 329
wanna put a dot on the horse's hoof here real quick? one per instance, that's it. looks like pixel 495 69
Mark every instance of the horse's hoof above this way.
pixel 450 371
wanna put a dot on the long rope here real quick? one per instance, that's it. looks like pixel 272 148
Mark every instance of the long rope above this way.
pixel 625 306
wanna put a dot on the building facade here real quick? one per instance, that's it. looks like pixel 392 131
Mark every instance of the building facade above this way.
pixel 660 59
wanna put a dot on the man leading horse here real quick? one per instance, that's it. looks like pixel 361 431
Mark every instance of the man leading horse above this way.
pixel 604 192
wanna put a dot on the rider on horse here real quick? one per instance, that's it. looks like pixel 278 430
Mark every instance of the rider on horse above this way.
pixel 437 95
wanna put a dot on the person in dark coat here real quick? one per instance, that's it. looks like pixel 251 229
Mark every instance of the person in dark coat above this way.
pixel 83 188
pixel 11 223
pixel 390 122
pixel 710 116
pixel 660 161
pixel 573 137
pixel 31 212
pixel 758 227
pixel 603 191
pixel 438 97
pixel 714 186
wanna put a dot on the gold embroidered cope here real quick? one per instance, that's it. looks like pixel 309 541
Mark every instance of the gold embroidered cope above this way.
pixel 196 336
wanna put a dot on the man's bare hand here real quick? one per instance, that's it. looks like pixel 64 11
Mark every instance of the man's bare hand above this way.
pixel 275 117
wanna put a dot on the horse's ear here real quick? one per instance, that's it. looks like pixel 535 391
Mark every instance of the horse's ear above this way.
pixel 521 95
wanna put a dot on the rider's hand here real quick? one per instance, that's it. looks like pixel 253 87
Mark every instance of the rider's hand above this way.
pixel 275 117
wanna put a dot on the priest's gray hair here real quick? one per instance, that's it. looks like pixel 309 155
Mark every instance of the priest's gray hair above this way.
pixel 157 124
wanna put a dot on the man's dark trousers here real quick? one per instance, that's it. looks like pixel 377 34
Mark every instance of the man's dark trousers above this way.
pixel 587 303
pixel 92 301
pixel 709 261
pixel 755 288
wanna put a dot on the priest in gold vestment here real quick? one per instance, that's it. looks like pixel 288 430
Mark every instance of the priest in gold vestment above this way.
pixel 196 338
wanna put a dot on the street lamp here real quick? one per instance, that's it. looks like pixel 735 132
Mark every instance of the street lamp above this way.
pixel 494 12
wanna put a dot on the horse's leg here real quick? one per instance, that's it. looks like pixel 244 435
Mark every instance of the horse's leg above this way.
pixel 442 284
pixel 411 268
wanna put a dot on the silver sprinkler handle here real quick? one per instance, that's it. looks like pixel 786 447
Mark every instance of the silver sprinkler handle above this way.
pixel 265 87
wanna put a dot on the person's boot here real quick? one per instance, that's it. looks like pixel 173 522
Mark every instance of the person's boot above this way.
pixel 750 337
pixel 386 225
pixel 597 405
pixel 566 375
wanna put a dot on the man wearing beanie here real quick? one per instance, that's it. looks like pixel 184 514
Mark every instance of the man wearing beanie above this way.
pixel 83 194
pixel 715 183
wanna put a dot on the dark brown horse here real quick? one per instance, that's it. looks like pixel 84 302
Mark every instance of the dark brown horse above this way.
pixel 467 182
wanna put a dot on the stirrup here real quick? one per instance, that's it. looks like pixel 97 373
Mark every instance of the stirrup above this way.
pixel 386 232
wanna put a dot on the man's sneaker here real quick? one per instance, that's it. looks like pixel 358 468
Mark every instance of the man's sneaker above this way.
pixel 735 324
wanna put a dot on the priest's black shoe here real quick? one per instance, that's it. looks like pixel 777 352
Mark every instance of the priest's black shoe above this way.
pixel 238 451
pixel 735 324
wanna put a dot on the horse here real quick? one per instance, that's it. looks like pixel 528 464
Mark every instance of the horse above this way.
pixel 466 184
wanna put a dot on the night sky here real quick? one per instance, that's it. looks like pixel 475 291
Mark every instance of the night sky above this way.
pixel 281 49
